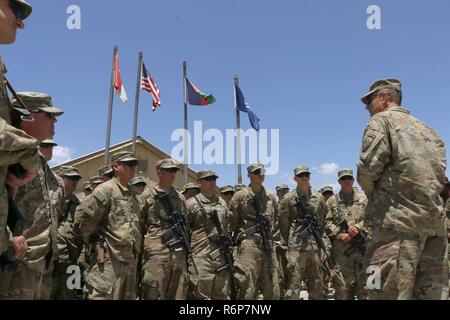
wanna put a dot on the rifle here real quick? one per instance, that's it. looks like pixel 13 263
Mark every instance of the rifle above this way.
pixel 358 241
pixel 177 230
pixel 224 241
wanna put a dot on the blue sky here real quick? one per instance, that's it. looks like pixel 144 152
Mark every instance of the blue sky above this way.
pixel 303 66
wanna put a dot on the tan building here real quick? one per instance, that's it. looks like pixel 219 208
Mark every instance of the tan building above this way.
pixel 146 152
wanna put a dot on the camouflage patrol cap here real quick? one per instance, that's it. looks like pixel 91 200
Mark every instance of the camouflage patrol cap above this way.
pixel 137 180
pixel 301 169
pixel 202 174
pixel 104 170
pixel 69 171
pixel 37 101
pixel 123 156
pixel 167 163
pixel 326 188
pixel 87 185
pixel 95 180
pixel 25 8
pixel 227 188
pixel 281 187
pixel 48 142
pixel 345 173
pixel 256 166
pixel 190 186
pixel 381 84
pixel 239 187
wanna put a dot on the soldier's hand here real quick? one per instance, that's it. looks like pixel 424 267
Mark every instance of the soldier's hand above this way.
pixel 353 231
pixel 14 183
pixel 346 238
pixel 20 247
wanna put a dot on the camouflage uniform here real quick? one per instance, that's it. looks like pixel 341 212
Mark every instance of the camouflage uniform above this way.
pixel 165 273
pixel 113 216
pixel 351 207
pixel 207 284
pixel 304 256
pixel 255 268
pixel 402 169
pixel 39 228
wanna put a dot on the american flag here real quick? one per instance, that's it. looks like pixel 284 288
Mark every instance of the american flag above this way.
pixel 149 85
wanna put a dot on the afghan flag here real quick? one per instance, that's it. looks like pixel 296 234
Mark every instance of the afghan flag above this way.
pixel 196 97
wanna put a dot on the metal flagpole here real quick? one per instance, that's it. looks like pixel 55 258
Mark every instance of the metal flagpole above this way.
pixel 110 107
pixel 238 128
pixel 186 158
pixel 136 102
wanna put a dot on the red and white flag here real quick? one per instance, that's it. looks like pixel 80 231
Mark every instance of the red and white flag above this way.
pixel 149 85
pixel 118 85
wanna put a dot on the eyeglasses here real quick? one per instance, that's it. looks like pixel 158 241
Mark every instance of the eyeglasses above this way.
pixel 303 175
pixel 171 170
pixel 212 178
pixel 15 9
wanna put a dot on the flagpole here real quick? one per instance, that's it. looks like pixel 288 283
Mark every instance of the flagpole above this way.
pixel 110 107
pixel 238 127
pixel 136 102
pixel 186 158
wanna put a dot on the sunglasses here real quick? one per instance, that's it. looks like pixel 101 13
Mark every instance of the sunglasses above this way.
pixel 328 193
pixel 73 178
pixel 209 179
pixel 171 170
pixel 346 178
pixel 46 145
pixel 303 175
pixel 129 164
pixel 15 9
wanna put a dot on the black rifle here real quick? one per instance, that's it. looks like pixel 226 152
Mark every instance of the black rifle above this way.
pixel 262 226
pixel 178 229
pixel 224 241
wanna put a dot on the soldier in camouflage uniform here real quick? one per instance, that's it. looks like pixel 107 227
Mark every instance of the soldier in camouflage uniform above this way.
pixel 40 208
pixel 401 169
pixel 113 216
pixel 105 173
pixel 327 192
pixel 137 185
pixel 255 265
pixel 15 146
pixel 227 192
pixel 281 247
pixel 203 209
pixel 305 258
pixel 165 274
pixel 282 190
pixel 87 189
pixel 190 190
pixel 95 181
pixel 239 187
pixel 347 205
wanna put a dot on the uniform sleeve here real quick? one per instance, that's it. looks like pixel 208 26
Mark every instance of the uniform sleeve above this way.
pixel 17 147
pixel 283 220
pixel 276 225
pixel 235 209
pixel 92 211
pixel 331 229
pixel 374 155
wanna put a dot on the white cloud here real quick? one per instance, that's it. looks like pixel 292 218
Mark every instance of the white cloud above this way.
pixel 60 155
pixel 328 168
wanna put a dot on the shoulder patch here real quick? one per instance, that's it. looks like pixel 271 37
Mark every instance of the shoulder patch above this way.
pixel 100 196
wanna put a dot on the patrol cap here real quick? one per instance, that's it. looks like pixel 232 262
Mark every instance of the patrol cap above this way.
pixel 301 169
pixel 69 171
pixel 48 142
pixel 239 187
pixel 281 187
pixel 123 156
pixel 202 174
pixel 37 101
pixel 137 180
pixel 87 186
pixel 168 163
pixel 104 170
pixel 381 84
pixel 95 180
pixel 227 188
pixel 256 166
pixel 25 8
pixel 326 188
pixel 190 186
pixel 345 173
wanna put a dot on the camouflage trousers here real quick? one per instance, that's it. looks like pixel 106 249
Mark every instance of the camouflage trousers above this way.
pixel 305 266
pixel 283 275
pixel 112 280
pixel 22 284
pixel 207 284
pixel 353 275
pixel 256 271
pixel 47 286
pixel 165 276
pixel 407 269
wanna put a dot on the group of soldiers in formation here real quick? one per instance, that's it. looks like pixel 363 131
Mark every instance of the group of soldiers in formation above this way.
pixel 129 238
